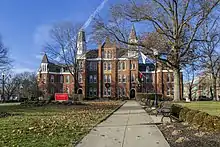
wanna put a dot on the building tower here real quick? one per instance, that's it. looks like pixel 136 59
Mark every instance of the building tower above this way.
pixel 81 43
pixel 132 50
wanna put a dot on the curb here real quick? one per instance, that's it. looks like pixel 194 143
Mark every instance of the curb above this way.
pixel 102 119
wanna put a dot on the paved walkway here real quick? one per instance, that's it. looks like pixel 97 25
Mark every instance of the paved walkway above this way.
pixel 130 126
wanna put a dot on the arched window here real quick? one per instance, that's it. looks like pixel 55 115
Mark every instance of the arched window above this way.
pixel 52 79
pixel 80 78
pixel 90 79
pixel 105 66
pixel 124 79
pixel 123 65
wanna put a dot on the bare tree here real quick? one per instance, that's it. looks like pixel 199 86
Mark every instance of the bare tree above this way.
pixel 12 83
pixel 211 57
pixel 63 47
pixel 5 61
pixel 28 85
pixel 178 21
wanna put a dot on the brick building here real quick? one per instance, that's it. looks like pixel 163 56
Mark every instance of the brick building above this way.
pixel 119 67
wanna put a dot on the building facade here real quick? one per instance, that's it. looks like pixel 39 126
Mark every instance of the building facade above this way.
pixel 109 71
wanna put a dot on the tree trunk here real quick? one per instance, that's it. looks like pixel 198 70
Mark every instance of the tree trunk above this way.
pixel 214 88
pixel 176 85
pixel 211 93
pixel 190 93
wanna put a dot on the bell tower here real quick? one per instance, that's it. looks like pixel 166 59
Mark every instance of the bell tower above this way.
pixel 81 43
pixel 132 49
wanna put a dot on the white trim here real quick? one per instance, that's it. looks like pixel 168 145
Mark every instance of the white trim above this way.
pixel 55 73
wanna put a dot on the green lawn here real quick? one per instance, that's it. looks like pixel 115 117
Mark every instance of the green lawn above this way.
pixel 56 125
pixel 210 107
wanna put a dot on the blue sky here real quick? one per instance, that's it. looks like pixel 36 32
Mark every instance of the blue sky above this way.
pixel 24 25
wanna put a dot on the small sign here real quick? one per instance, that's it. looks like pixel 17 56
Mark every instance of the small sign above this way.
pixel 61 97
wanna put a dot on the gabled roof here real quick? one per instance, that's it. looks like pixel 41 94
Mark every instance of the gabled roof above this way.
pixel 107 43
pixel 45 59
pixel 92 54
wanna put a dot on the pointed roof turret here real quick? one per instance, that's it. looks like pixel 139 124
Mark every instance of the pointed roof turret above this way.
pixel 45 59
pixel 133 35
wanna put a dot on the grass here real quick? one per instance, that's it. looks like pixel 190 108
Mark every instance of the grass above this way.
pixel 212 108
pixel 51 125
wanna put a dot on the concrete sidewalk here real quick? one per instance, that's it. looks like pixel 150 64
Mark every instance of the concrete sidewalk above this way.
pixel 130 126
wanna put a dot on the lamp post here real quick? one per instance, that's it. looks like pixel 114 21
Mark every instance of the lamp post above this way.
pixel 155 77
pixel 3 86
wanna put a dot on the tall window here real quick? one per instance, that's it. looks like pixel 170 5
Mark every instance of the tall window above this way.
pixel 80 78
pixel 124 79
pixel 52 78
pixel 90 91
pixel 119 78
pixel 90 79
pixel 52 90
pixel 95 91
pixel 105 66
pixel 61 79
pixel 109 79
pixel 123 65
pixel 169 77
pixel 105 78
pixel 91 66
pixel 94 78
pixel 109 66
pixel 107 92
pixel 80 65
pixel 67 79
pixel 123 91
pixel 132 66
pixel 149 77
pixel 95 66
pixel 133 78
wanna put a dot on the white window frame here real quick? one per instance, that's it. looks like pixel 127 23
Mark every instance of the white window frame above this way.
pixel 52 78
pixel 120 78
pixel 80 78
pixel 124 79
pixel 95 79
pixel 90 79
pixel 67 79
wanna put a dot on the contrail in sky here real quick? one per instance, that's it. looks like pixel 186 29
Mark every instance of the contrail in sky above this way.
pixel 93 15
pixel 87 23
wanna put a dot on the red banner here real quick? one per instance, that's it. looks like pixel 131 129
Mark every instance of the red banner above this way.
pixel 61 97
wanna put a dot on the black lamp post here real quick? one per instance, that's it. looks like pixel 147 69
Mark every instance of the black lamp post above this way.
pixel 3 86
pixel 156 55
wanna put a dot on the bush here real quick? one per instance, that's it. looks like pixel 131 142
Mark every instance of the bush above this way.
pixel 175 109
pixel 182 114
pixel 190 115
pixel 208 123
pixel 216 123
pixel 198 119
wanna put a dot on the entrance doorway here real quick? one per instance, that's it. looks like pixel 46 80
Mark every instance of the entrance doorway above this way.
pixel 79 91
pixel 132 93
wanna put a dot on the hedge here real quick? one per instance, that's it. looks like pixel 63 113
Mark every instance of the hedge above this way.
pixel 197 118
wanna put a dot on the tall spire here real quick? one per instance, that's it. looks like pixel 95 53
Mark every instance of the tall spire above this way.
pixel 81 42
pixel 133 35
pixel 45 59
